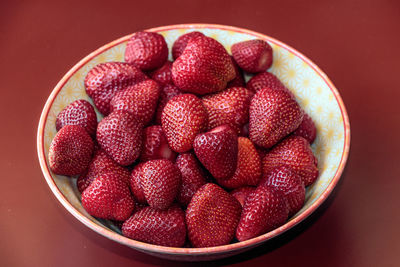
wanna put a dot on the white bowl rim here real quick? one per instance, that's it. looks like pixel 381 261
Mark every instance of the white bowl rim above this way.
pixel 190 251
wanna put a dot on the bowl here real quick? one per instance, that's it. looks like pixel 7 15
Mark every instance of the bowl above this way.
pixel 314 91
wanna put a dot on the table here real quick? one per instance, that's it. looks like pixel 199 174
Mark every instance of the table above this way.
pixel 355 42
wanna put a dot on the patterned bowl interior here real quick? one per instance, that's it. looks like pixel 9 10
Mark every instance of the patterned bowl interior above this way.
pixel 312 92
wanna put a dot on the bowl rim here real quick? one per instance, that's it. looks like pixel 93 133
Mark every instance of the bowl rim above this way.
pixel 191 251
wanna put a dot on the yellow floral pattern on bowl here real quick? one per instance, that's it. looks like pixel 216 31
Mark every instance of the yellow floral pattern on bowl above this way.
pixel 312 92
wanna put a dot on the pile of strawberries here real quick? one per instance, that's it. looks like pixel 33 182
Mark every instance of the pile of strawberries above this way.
pixel 187 153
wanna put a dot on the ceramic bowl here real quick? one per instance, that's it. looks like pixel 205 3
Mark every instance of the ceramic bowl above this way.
pixel 314 91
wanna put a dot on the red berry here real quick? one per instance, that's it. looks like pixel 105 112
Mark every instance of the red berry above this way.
pixel 180 44
pixel 146 50
pixel 163 75
pixel 273 115
pixel 158 227
pixel 204 67
pixel 140 100
pixel 238 81
pixel 217 150
pixel 160 181
pixel 212 217
pixel 121 136
pixel 263 80
pixel 294 152
pixel 264 210
pixel 183 117
pixel 230 107
pixel 135 183
pixel 248 168
pixel 155 145
pixel 104 80
pixel 101 163
pixel 108 197
pixel 70 151
pixel 167 93
pixel 307 129
pixel 193 177
pixel 290 184
pixel 253 56
pixel 80 112
pixel 242 193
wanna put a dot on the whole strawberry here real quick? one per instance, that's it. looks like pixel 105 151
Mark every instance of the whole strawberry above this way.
pixel 294 152
pixel 80 112
pixel 135 183
pixel 70 151
pixel 217 150
pixel 140 100
pixel 290 184
pixel 273 115
pixel 183 117
pixel 248 169
pixel 163 75
pixel 212 217
pixel 167 93
pixel 104 80
pixel 307 129
pixel 193 177
pixel 158 227
pixel 155 145
pixel 264 210
pixel 230 106
pixel 242 193
pixel 121 136
pixel 108 197
pixel 252 56
pixel 160 181
pixel 180 44
pixel 146 50
pixel 101 163
pixel 238 81
pixel 263 80
pixel 204 67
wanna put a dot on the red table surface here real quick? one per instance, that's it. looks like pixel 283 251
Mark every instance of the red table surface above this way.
pixel 355 42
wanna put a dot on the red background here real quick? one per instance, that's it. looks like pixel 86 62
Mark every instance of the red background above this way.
pixel 355 42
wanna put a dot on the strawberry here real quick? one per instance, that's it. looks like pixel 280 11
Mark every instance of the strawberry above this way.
pixel 212 216
pixel 248 168
pixel 307 129
pixel 193 177
pixel 135 183
pixel 70 151
pixel 273 115
pixel 252 56
pixel 146 50
pixel 217 150
pixel 140 100
pixel 155 145
pixel 264 210
pixel 204 67
pixel 101 163
pixel 160 181
pixel 163 75
pixel 264 79
pixel 108 197
pixel 230 106
pixel 242 193
pixel 167 93
pixel 80 112
pixel 238 81
pixel 121 136
pixel 180 44
pixel 158 227
pixel 183 117
pixel 290 184
pixel 294 152
pixel 105 79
